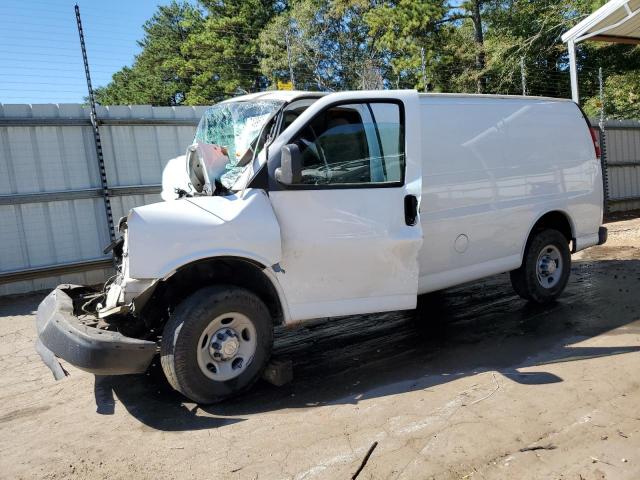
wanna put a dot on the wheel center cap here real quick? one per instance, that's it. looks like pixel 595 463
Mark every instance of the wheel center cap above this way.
pixel 224 344
pixel 230 347
pixel 547 266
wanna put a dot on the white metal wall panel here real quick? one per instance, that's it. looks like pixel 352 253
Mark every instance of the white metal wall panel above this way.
pixel 43 234
pixel 137 154
pixel 625 181
pixel 12 254
pixel 52 158
pixel 122 204
pixel 624 206
pixel 46 158
pixel 623 145
pixel 93 277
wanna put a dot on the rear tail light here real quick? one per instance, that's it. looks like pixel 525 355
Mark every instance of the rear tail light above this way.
pixel 595 136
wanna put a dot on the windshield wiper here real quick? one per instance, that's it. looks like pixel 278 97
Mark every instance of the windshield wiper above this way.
pixel 182 193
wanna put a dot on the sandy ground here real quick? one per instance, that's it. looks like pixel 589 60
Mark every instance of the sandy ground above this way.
pixel 495 388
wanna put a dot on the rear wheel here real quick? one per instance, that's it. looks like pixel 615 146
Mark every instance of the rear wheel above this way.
pixel 545 268
pixel 216 343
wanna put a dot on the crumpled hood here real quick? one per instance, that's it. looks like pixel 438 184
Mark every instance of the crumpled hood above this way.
pixel 164 236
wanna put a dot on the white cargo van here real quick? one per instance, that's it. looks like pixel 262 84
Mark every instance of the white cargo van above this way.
pixel 291 206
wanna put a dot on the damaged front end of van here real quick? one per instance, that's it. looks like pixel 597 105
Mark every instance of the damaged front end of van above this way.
pixel 165 250
pixel 101 331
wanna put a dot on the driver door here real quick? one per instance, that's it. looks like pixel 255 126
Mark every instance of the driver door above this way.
pixel 349 225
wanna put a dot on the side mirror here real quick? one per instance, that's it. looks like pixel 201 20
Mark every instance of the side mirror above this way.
pixel 290 170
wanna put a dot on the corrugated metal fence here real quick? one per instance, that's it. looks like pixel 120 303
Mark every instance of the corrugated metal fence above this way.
pixel 622 140
pixel 52 218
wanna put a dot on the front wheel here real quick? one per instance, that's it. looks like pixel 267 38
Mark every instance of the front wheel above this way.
pixel 545 268
pixel 216 343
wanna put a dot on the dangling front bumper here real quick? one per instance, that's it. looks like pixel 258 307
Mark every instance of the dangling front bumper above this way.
pixel 62 334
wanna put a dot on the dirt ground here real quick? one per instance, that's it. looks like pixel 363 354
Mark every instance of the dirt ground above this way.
pixel 497 389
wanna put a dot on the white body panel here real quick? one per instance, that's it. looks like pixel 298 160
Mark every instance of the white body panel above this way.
pixel 349 250
pixel 485 169
pixel 341 256
pixel 492 167
pixel 164 236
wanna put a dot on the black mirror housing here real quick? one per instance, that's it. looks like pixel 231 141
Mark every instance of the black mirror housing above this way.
pixel 290 170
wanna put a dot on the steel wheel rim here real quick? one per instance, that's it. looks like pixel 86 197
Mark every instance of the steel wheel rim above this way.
pixel 549 266
pixel 227 346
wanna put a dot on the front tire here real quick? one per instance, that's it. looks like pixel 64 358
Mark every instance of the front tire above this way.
pixel 216 343
pixel 545 269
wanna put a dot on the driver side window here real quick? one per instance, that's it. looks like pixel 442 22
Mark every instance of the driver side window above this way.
pixel 361 144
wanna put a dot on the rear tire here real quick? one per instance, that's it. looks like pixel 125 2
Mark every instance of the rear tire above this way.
pixel 545 269
pixel 216 343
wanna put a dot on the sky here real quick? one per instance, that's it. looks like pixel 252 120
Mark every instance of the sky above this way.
pixel 40 57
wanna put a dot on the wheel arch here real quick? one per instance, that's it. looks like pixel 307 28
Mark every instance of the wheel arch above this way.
pixel 556 219
pixel 227 270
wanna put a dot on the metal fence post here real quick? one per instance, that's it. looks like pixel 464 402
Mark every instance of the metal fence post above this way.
pixel 603 145
pixel 291 77
pixel 523 74
pixel 601 94
pixel 605 168
pixel 96 131
pixel 424 70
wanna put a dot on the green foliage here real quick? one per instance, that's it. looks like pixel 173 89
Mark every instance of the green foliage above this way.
pixel 156 76
pixel 405 31
pixel 302 33
pixel 223 57
pixel 622 97
pixel 329 44
pixel 202 54
pixel 529 32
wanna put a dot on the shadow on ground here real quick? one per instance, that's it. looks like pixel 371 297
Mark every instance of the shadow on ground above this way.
pixel 464 331
pixel 21 304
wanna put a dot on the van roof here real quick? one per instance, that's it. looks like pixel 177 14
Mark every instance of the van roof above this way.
pixel 492 96
pixel 284 95
pixel 290 95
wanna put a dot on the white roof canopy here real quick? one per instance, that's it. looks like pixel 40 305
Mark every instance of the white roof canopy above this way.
pixel 618 21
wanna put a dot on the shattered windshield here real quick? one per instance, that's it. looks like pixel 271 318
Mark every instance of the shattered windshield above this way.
pixel 228 136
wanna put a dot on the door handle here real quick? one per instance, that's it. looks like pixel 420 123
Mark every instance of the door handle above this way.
pixel 410 210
